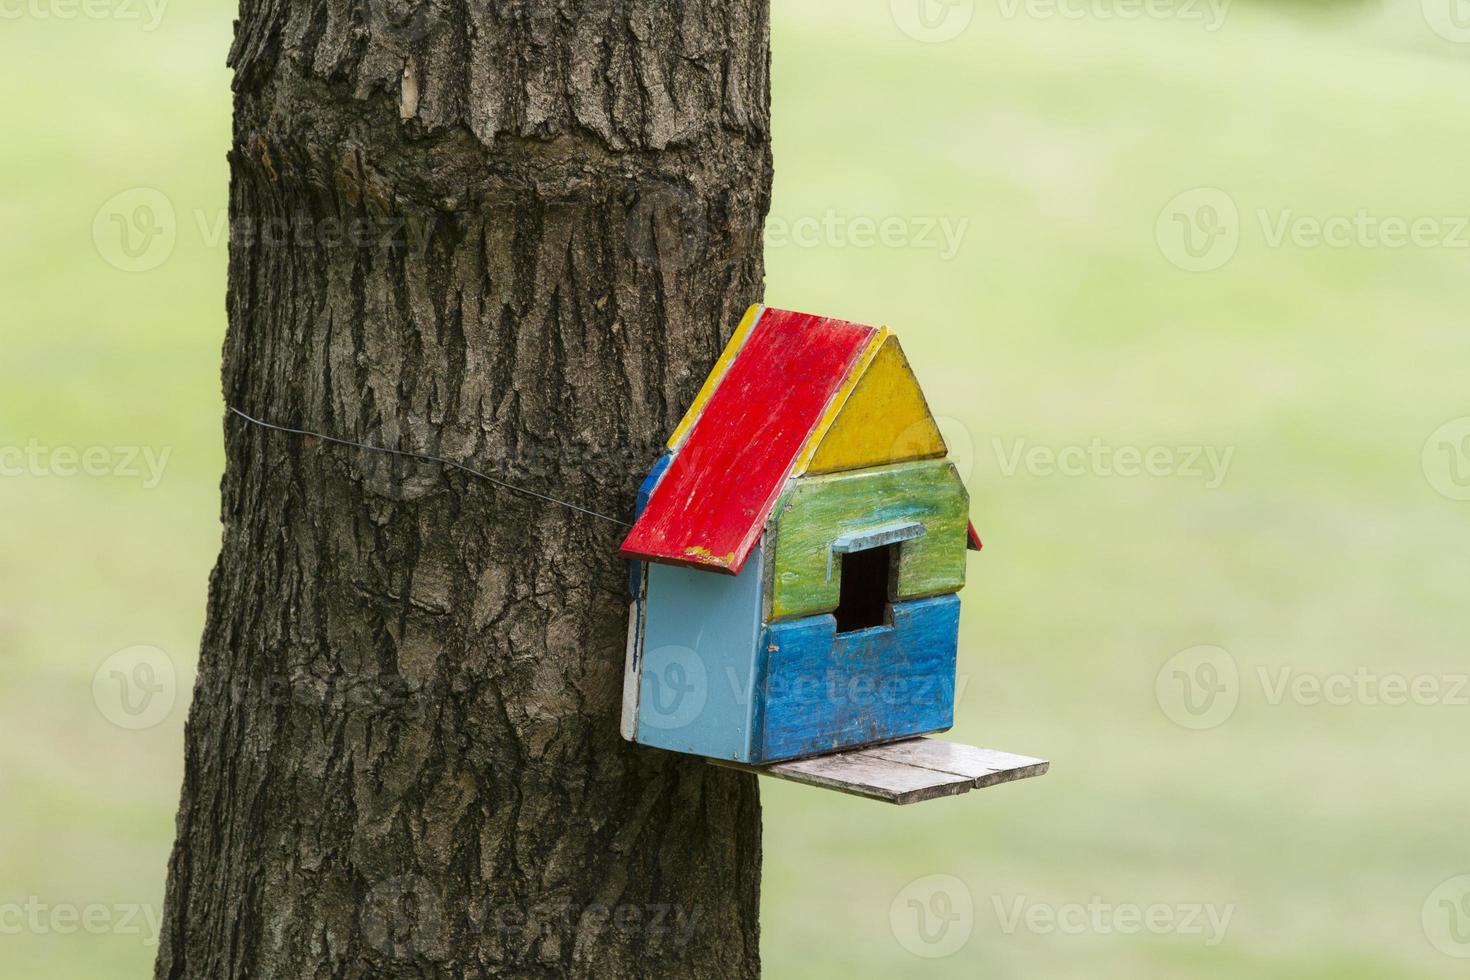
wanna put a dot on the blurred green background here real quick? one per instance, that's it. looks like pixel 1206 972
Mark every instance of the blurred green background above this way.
pixel 1130 192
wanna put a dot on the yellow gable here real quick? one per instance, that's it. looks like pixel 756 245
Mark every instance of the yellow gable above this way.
pixel 883 419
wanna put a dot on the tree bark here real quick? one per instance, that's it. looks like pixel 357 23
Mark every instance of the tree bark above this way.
pixel 514 234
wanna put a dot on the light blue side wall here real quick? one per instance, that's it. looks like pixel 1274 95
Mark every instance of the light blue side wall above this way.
pixel 701 634
pixel 820 691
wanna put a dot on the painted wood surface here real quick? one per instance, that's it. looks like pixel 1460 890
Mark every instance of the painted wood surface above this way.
pixel 878 536
pixel 645 493
pixel 909 771
pixel 820 691
pixel 651 481
pixel 816 511
pixel 884 420
pixel 716 375
pixel 873 538
pixel 839 399
pixel 700 637
pixel 710 508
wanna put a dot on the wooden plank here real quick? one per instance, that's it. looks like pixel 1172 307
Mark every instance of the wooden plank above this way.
pixel 878 536
pixel 712 504
pixel 884 419
pixel 727 357
pixel 816 511
pixel 987 767
pixel 860 774
pixel 883 772
pixel 632 668
pixel 822 691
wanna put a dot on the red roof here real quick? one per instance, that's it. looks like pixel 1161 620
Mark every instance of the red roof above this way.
pixel 711 506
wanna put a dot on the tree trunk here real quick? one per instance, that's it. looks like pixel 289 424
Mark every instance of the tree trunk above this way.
pixel 514 234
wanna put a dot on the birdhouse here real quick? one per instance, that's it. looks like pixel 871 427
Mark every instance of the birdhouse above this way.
pixel 797 555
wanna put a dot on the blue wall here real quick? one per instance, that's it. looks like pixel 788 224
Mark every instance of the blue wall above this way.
pixel 820 691
pixel 713 681
pixel 701 632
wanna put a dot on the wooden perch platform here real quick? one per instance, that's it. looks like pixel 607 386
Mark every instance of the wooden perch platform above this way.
pixel 910 771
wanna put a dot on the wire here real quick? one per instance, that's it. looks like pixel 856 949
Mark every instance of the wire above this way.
pixel 430 459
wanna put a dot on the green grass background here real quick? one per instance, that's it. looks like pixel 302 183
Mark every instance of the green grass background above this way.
pixel 1058 321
